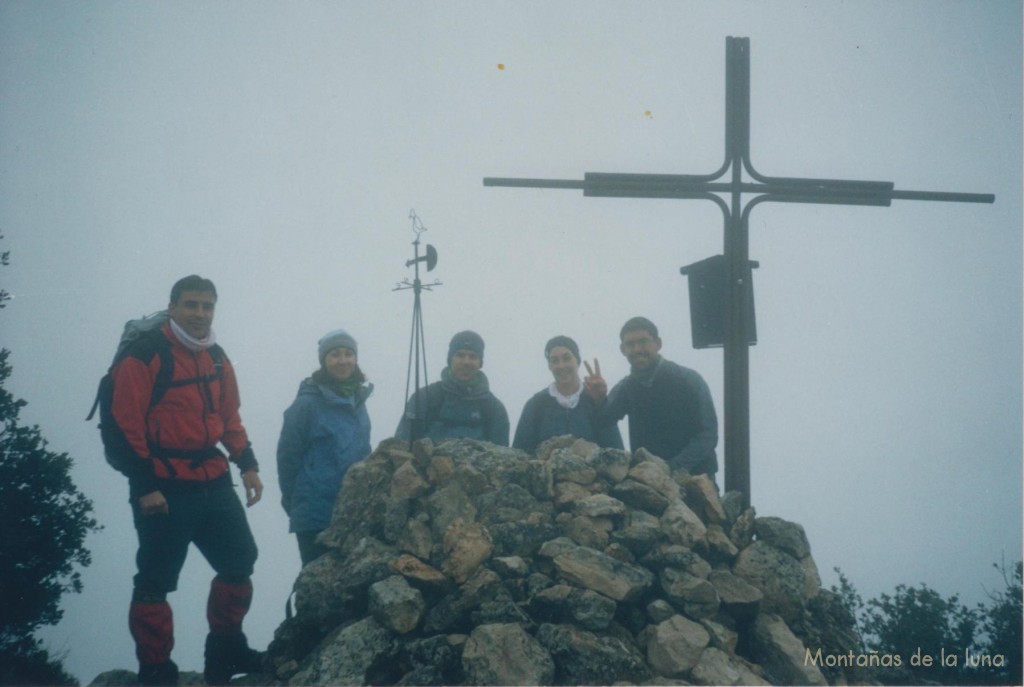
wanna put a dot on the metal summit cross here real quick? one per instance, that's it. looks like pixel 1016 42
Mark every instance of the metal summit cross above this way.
pixel 737 267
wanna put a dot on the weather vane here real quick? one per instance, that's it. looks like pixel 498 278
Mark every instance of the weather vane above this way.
pixel 417 345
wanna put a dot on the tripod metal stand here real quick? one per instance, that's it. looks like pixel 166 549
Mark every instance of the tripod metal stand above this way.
pixel 417 346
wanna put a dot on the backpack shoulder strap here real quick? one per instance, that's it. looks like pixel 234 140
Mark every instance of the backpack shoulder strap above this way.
pixel 165 375
pixel 143 344
pixel 218 356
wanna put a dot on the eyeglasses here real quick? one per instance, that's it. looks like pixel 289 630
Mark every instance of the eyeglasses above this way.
pixel 643 342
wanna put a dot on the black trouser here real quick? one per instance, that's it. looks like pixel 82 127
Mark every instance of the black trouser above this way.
pixel 211 516
pixel 208 514
pixel 309 550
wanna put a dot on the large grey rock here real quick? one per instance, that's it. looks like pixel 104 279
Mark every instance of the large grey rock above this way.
pixel 522 538
pixel 504 654
pixel 348 656
pixel 556 547
pixel 782 534
pixel 782 653
pixel 641 532
pixel 586 658
pixel 721 636
pixel 332 589
pixel 656 474
pixel 779 576
pixel 599 505
pixel 466 546
pixel 359 510
pixel 446 505
pixel 416 537
pixel 440 469
pixel 419 574
pixel 452 612
pixel 694 596
pixel 682 525
pixel 812 581
pixel 676 556
pixel 639 495
pixel 611 464
pixel 715 667
pixel 701 495
pixel 566 494
pixel 435 660
pixel 604 574
pixel 659 610
pixel 740 599
pixel 720 548
pixel 508 504
pixel 562 603
pixel 675 645
pixel 587 450
pixel 407 483
pixel 589 531
pixel 567 466
pixel 396 605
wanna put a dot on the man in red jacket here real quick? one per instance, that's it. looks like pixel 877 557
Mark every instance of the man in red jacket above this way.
pixel 180 485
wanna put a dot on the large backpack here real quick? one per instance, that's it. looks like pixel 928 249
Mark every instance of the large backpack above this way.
pixel 115 447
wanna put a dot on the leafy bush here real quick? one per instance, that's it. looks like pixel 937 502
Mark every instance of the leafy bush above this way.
pixel 981 645
pixel 44 520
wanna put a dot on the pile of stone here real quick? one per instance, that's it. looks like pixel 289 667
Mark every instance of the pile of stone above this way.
pixel 469 563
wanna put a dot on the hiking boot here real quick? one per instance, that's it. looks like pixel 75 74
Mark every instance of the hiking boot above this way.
pixel 229 655
pixel 158 674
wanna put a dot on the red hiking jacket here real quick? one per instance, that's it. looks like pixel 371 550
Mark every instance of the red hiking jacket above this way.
pixel 176 438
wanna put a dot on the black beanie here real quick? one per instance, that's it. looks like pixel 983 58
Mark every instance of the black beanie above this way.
pixel 565 341
pixel 466 341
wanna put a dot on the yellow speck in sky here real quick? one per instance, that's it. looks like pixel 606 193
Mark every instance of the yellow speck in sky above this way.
pixel 648 114
pixel 501 67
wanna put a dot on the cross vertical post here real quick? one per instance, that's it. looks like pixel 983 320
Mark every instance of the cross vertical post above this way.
pixel 736 358
pixel 736 248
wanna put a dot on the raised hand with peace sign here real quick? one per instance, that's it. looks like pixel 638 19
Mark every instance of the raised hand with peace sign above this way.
pixel 594 383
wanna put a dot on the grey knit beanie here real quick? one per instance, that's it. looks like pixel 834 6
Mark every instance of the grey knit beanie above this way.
pixel 336 339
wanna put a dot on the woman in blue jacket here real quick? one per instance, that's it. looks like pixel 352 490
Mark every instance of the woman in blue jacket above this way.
pixel 326 430
pixel 564 407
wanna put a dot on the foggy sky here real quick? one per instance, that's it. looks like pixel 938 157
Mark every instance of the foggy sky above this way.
pixel 278 148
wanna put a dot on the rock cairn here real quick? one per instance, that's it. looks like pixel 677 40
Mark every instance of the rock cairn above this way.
pixel 468 563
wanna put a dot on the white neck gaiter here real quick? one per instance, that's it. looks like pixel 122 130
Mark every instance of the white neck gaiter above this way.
pixel 189 341
pixel 569 401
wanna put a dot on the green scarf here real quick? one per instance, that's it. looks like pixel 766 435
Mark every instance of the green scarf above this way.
pixel 345 387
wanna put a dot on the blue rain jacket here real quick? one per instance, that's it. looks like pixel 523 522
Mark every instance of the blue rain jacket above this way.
pixel 324 434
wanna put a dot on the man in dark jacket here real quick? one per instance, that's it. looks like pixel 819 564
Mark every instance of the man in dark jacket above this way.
pixel 670 410
pixel 180 486
pixel 461 405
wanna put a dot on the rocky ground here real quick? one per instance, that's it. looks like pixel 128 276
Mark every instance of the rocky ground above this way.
pixel 468 563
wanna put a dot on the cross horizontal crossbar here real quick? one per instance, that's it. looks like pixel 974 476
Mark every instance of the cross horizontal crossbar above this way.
pixel 782 189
